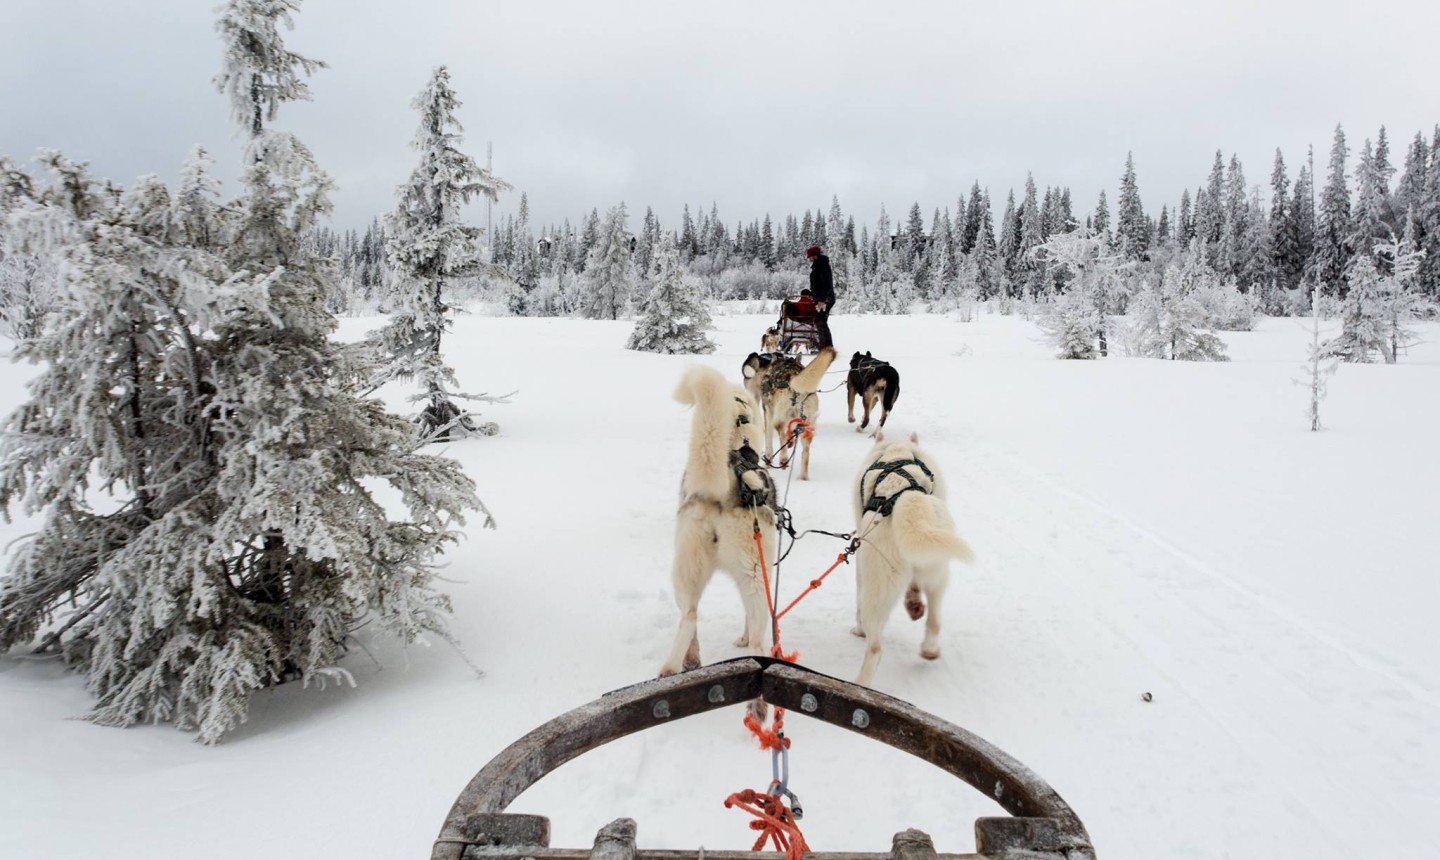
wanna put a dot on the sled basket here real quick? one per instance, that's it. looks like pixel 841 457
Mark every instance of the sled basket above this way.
pixel 1042 826
pixel 799 326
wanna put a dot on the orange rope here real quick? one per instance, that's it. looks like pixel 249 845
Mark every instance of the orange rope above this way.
pixel 799 427
pixel 814 584
pixel 774 821
pixel 770 739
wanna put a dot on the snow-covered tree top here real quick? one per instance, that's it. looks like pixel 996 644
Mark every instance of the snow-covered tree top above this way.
pixel 258 72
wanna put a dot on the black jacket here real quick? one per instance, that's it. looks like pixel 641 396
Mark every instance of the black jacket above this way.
pixel 822 281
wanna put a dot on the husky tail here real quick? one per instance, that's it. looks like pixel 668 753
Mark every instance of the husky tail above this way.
pixel 707 469
pixel 807 381
pixel 924 531
pixel 890 382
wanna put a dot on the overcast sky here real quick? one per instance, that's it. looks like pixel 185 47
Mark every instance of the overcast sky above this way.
pixel 757 106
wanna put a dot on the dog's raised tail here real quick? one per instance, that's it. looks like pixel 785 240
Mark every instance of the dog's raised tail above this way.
pixel 891 392
pixel 807 381
pixel 707 468
pixel 924 532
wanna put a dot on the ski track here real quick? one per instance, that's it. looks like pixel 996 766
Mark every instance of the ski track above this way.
pixel 1369 664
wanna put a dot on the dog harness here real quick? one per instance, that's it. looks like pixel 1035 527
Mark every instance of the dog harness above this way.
pixel 886 504
pixel 742 461
pixel 780 377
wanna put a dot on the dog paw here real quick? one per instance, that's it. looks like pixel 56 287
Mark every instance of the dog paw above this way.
pixel 666 671
pixel 691 664
pixel 931 653
pixel 850 418
pixel 856 631
pixel 742 641
pixel 759 710
pixel 915 608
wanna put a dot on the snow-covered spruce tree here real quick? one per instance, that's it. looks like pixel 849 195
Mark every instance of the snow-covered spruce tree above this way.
pixel 1072 323
pixel 307 550
pixel 1092 274
pixel 1184 321
pixel 1132 235
pixel 124 407
pixel 1332 250
pixel 197 386
pixel 609 272
pixel 1144 331
pixel 429 247
pixel 1363 330
pixel 524 267
pixel 673 318
pixel 1401 301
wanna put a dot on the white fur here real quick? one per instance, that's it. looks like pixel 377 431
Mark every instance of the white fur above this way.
pixel 907 552
pixel 797 401
pixel 712 530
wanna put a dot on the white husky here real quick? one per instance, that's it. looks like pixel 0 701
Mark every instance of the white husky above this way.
pixel 724 496
pixel 908 539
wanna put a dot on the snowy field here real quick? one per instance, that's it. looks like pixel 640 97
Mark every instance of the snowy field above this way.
pixel 1141 526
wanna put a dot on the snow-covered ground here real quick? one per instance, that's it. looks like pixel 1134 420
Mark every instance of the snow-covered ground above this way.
pixel 1141 526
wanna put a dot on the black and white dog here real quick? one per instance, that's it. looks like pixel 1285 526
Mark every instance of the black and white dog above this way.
pixel 873 380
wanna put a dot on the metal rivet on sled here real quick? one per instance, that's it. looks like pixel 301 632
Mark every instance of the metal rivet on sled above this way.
pixel 716 694
pixel 661 710
pixel 860 719
pixel 809 704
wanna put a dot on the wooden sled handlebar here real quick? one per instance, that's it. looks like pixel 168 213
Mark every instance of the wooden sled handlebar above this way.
pixel 1042 826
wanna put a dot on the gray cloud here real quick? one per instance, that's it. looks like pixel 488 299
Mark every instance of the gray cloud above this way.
pixel 759 107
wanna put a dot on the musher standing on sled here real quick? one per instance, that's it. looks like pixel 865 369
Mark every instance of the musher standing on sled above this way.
pixel 822 287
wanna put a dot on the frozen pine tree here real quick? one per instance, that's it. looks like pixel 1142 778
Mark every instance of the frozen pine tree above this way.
pixel 524 266
pixel 1131 235
pixel 673 318
pixel 1092 276
pixel 429 247
pixel 1399 298
pixel 1332 249
pixel 1145 323
pixel 1363 331
pixel 308 552
pixel 609 271
pixel 194 211
pixel 1071 323
pixel 205 472
pixel 1185 324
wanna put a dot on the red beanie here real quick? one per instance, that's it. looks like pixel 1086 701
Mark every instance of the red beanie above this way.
pixel 812 251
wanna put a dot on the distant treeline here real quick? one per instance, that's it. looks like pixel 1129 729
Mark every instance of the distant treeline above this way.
pixel 1270 239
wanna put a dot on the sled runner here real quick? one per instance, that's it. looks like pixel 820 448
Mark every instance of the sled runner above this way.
pixel 799 326
pixel 1042 826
